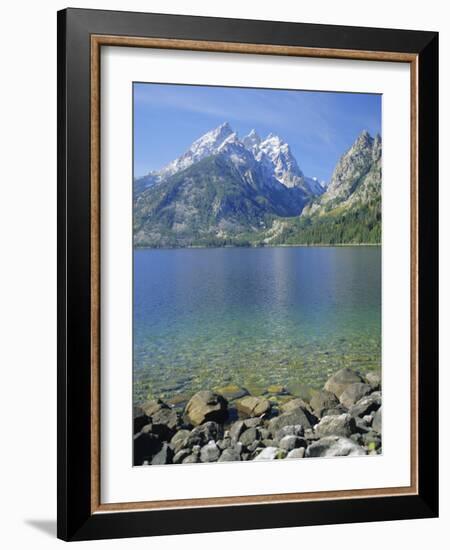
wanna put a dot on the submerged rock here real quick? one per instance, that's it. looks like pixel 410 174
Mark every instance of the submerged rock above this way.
pixel 206 406
pixel 153 406
pixel 232 392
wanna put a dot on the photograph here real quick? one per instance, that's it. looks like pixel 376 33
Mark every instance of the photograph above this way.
pixel 257 274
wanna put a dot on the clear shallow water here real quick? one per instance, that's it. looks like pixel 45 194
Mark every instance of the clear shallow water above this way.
pixel 204 318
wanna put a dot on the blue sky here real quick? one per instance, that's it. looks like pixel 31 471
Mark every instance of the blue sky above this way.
pixel 319 126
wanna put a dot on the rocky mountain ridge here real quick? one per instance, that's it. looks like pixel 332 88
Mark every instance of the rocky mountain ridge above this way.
pixel 229 191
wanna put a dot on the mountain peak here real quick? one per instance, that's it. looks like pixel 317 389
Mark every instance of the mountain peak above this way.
pixel 364 137
pixel 274 138
pixel 224 126
pixel 251 140
pixel 210 141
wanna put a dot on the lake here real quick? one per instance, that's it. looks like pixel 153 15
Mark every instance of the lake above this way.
pixel 205 318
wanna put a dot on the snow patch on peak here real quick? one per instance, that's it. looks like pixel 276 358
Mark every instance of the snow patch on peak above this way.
pixel 271 158
pixel 252 140
pixel 204 146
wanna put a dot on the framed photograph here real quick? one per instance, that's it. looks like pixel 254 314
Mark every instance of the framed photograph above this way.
pixel 247 274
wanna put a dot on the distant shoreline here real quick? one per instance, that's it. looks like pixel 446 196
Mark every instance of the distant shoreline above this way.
pixel 340 245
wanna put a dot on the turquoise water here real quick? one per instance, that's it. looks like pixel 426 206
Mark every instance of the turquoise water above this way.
pixel 204 318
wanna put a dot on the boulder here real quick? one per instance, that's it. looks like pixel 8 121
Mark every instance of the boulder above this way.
pixel 323 400
pixel 353 393
pixel 253 406
pixel 374 379
pixel 264 433
pixel 200 435
pixel 376 422
pixel 334 411
pixel 340 380
pixel 269 453
pixel 296 453
pixel 290 442
pixel 191 459
pixel 224 443
pixel 253 422
pixel 164 456
pixel 334 446
pixel 210 452
pixel 180 456
pixel 232 454
pixel 254 446
pixel 343 425
pixel 206 406
pixel 165 422
pixel 236 429
pixel 179 440
pixel 366 405
pixel 289 430
pixel 362 426
pixel 293 404
pixel 297 416
pixel 249 436
pixel 357 438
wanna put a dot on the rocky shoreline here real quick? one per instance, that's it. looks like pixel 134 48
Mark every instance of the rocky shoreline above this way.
pixel 229 424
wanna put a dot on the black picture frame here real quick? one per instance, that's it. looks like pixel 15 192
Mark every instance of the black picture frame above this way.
pixel 75 518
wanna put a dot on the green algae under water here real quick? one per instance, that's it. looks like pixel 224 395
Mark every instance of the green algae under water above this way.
pixel 204 318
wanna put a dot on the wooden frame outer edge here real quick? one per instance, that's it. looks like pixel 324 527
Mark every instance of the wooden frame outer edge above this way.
pixel 261 49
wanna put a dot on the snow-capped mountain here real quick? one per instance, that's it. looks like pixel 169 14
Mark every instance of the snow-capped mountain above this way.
pixel 227 190
pixel 206 145
pixel 271 157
